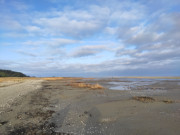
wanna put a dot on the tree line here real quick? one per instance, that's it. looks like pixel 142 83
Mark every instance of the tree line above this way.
pixel 9 73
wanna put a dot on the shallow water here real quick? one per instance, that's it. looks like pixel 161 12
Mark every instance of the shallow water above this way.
pixel 120 88
pixel 130 83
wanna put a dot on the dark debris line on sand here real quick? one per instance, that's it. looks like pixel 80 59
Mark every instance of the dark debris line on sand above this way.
pixel 146 99
pixel 43 127
pixel 3 122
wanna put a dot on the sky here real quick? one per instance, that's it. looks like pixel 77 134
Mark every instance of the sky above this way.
pixel 90 38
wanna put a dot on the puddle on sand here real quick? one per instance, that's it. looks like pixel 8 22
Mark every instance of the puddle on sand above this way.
pixel 128 85
pixel 119 88
pixel 120 85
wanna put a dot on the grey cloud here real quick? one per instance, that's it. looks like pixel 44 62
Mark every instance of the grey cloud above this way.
pixel 151 53
pixel 117 67
pixel 27 53
pixel 131 64
pixel 152 59
pixel 55 51
pixel 126 65
pixel 9 64
pixel 128 52
pixel 5 64
pixel 84 51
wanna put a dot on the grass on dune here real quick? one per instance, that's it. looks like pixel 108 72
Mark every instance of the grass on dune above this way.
pixel 86 85
pixel 64 78
pixel 52 78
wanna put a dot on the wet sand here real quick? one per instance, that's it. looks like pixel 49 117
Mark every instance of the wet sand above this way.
pixel 55 107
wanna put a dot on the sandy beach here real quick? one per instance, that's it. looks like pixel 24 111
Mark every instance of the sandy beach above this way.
pixel 122 107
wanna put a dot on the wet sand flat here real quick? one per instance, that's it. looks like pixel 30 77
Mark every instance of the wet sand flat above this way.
pixel 56 107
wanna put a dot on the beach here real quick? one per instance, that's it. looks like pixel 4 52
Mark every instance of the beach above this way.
pixel 78 106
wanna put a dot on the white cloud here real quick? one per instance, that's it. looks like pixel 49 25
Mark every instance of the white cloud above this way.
pixel 33 29
pixel 76 23
pixel 9 24
pixel 146 35
pixel 74 28
pixel 111 30
pixel 54 42
pixel 19 5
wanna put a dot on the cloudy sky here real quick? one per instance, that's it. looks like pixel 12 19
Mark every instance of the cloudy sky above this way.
pixel 90 37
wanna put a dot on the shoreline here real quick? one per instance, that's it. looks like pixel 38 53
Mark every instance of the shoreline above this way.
pixel 58 108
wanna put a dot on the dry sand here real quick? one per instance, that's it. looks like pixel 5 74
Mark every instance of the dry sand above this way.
pixel 11 90
pixel 51 106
